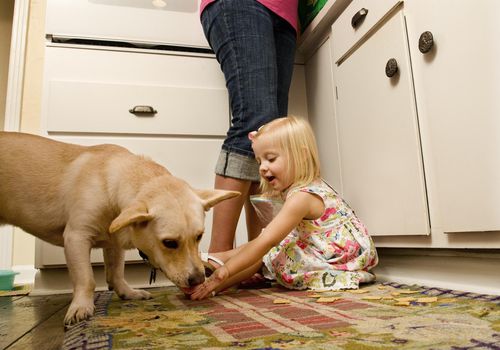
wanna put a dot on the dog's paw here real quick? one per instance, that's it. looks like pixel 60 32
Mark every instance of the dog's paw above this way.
pixel 135 294
pixel 78 311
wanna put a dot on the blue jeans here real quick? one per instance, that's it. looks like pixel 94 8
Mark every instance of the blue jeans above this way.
pixel 255 49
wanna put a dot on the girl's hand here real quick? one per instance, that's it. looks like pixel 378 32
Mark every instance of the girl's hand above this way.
pixel 205 289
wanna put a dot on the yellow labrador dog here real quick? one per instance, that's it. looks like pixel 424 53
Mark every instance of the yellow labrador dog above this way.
pixel 103 196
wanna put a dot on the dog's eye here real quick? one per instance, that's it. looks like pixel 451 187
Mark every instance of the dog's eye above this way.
pixel 170 243
pixel 199 237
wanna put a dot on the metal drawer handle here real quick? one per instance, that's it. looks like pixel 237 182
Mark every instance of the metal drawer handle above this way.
pixel 143 111
pixel 391 68
pixel 425 42
pixel 359 17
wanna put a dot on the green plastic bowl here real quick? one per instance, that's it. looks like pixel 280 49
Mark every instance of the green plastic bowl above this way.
pixel 7 279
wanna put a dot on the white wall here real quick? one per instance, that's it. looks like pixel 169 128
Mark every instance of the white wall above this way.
pixel 24 244
pixel 6 12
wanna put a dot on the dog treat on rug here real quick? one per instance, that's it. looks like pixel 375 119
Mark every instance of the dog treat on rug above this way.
pixel 281 301
pixel 372 297
pixel 402 303
pixel 407 291
pixel 327 299
pixel 403 300
pixel 315 295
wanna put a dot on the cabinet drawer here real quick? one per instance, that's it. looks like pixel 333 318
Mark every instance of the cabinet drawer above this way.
pixel 346 34
pixel 138 21
pixel 93 91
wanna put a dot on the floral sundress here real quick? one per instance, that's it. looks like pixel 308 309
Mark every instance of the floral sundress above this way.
pixel 332 252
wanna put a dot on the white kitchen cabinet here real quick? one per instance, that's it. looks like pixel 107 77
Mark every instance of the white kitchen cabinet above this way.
pixel 137 22
pixel 457 85
pixel 321 104
pixel 379 142
pixel 430 133
pixel 86 91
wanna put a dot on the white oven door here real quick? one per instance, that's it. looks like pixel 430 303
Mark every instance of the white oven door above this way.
pixel 164 22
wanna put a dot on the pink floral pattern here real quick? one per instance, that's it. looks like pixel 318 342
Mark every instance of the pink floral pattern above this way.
pixel 332 252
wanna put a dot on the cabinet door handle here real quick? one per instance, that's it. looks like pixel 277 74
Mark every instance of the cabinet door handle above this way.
pixel 391 67
pixel 143 111
pixel 359 17
pixel 425 42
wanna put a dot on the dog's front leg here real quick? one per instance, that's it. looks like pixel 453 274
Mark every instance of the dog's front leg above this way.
pixel 114 260
pixel 77 246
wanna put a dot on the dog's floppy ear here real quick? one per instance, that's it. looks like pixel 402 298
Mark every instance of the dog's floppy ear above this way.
pixel 209 198
pixel 134 214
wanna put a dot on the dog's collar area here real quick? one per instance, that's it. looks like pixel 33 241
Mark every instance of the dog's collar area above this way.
pixel 142 255
pixel 152 274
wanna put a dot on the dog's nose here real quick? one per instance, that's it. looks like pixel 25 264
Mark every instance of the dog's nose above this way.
pixel 195 279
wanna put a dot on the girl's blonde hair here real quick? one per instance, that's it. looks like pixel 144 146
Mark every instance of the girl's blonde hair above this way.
pixel 295 138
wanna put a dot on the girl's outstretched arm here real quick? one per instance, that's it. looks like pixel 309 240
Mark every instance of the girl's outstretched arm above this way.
pixel 238 267
pixel 219 281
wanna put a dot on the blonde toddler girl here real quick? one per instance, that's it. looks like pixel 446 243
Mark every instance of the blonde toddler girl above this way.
pixel 315 241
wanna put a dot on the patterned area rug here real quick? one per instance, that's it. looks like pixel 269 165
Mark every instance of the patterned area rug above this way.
pixel 378 316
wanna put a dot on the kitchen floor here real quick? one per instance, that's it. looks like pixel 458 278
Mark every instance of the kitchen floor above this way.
pixel 32 322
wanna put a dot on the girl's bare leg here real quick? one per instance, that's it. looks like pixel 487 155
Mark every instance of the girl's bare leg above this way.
pixel 254 225
pixel 227 213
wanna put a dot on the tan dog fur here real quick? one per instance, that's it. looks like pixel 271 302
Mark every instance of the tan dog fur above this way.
pixel 103 196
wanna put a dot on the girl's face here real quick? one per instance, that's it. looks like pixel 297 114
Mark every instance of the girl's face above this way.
pixel 273 163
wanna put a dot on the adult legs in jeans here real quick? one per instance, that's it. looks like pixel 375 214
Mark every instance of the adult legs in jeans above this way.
pixel 255 49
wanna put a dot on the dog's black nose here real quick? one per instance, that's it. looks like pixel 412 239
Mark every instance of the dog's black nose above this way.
pixel 195 279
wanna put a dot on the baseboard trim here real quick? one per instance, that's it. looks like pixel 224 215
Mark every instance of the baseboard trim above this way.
pixel 477 274
pixel 50 281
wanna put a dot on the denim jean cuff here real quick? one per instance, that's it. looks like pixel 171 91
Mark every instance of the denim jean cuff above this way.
pixel 237 166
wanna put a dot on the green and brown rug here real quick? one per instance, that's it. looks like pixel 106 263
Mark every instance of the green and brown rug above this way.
pixel 378 316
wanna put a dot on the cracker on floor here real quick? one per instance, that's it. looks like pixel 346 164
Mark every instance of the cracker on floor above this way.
pixel 315 295
pixel 357 291
pixel 402 303
pixel 406 299
pixel 281 301
pixel 427 300
pixel 407 291
pixel 327 299
pixel 372 297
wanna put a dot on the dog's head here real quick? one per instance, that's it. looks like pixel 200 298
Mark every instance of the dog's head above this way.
pixel 167 223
